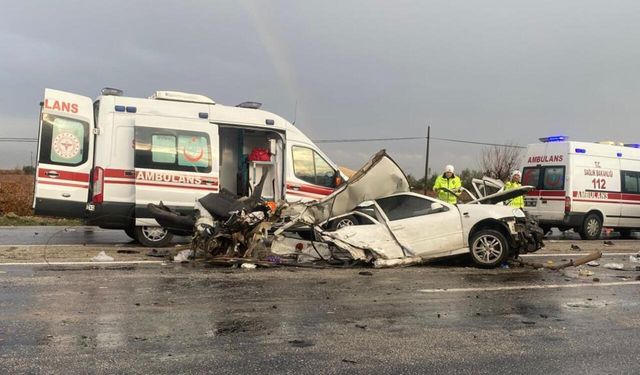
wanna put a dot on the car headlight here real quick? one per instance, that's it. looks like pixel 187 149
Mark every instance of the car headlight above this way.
pixel 518 213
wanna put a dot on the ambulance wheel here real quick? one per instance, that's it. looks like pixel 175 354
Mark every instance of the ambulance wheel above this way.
pixel 131 232
pixel 591 227
pixel 153 236
pixel 546 229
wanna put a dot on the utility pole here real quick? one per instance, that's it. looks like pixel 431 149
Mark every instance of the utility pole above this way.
pixel 426 160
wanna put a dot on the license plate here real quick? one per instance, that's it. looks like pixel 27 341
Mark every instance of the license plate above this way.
pixel 530 203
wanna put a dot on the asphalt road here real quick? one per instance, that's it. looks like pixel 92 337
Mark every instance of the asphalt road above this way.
pixel 52 235
pixel 195 319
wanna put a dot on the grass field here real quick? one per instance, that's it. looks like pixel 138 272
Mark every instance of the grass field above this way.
pixel 16 198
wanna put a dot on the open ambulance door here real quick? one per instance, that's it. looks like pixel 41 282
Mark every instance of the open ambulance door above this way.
pixel 65 154
pixel 176 162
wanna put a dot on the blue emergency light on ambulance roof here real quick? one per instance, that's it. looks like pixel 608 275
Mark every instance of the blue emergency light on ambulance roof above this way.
pixel 634 145
pixel 554 138
pixel 119 108
pixel 619 154
pixel 580 151
pixel 131 109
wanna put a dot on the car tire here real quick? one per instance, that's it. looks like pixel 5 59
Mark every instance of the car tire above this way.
pixel 345 221
pixel 591 227
pixel 153 236
pixel 488 248
pixel 131 232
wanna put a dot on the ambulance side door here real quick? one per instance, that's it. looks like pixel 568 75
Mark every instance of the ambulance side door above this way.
pixel 65 154
pixel 176 162
pixel 630 194
pixel 310 175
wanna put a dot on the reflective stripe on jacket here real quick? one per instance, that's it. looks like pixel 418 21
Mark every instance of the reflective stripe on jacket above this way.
pixel 452 184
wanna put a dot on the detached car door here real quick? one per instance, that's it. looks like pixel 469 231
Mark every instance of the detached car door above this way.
pixel 423 225
pixel 65 154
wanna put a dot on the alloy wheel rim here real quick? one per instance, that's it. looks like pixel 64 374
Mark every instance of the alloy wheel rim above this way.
pixel 344 223
pixel 487 248
pixel 154 233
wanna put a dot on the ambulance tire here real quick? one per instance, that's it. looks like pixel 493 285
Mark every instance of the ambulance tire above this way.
pixel 131 232
pixel 546 229
pixel 153 236
pixel 591 227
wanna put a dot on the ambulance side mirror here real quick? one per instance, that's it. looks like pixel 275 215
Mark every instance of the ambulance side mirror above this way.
pixel 337 179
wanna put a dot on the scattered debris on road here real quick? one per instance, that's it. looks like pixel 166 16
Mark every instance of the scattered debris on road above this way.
pixel 102 257
pixel 614 266
pixel 570 263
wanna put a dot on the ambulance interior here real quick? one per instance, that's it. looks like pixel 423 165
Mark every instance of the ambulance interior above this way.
pixel 245 154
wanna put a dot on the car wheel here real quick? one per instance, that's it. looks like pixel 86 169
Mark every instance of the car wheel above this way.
pixel 131 232
pixel 345 221
pixel 591 227
pixel 153 236
pixel 489 248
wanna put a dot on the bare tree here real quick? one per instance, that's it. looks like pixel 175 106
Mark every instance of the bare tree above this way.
pixel 499 161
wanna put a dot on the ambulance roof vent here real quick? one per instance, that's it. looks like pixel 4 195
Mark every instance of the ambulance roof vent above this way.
pixel 111 91
pixel 250 105
pixel 178 96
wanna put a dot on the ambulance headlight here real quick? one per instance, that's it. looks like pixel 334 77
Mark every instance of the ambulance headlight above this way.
pixel 518 213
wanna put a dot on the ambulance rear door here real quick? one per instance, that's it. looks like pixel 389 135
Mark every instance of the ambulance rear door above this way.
pixel 65 154
pixel 176 162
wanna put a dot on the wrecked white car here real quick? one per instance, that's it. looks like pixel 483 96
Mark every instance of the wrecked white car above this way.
pixel 395 226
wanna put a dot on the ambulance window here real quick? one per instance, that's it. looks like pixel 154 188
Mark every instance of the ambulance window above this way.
pixel 163 149
pixel 193 151
pixel 172 149
pixel 324 172
pixel 309 166
pixel 630 182
pixel 553 178
pixel 64 141
pixel 531 176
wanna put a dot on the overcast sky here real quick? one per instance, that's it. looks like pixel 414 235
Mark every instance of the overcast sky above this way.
pixel 494 71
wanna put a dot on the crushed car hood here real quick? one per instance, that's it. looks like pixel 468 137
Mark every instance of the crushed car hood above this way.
pixel 379 177
pixel 503 195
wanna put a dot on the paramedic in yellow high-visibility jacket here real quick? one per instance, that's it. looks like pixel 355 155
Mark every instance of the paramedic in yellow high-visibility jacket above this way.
pixel 514 183
pixel 450 181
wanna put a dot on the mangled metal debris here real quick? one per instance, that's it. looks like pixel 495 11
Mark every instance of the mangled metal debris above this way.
pixel 390 226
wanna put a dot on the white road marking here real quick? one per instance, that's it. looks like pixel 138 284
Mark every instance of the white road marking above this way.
pixel 83 263
pixel 523 287
pixel 573 254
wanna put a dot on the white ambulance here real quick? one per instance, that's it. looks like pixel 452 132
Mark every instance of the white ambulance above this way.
pixel 583 186
pixel 105 160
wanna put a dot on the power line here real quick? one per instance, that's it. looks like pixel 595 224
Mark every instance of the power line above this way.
pixel 357 140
